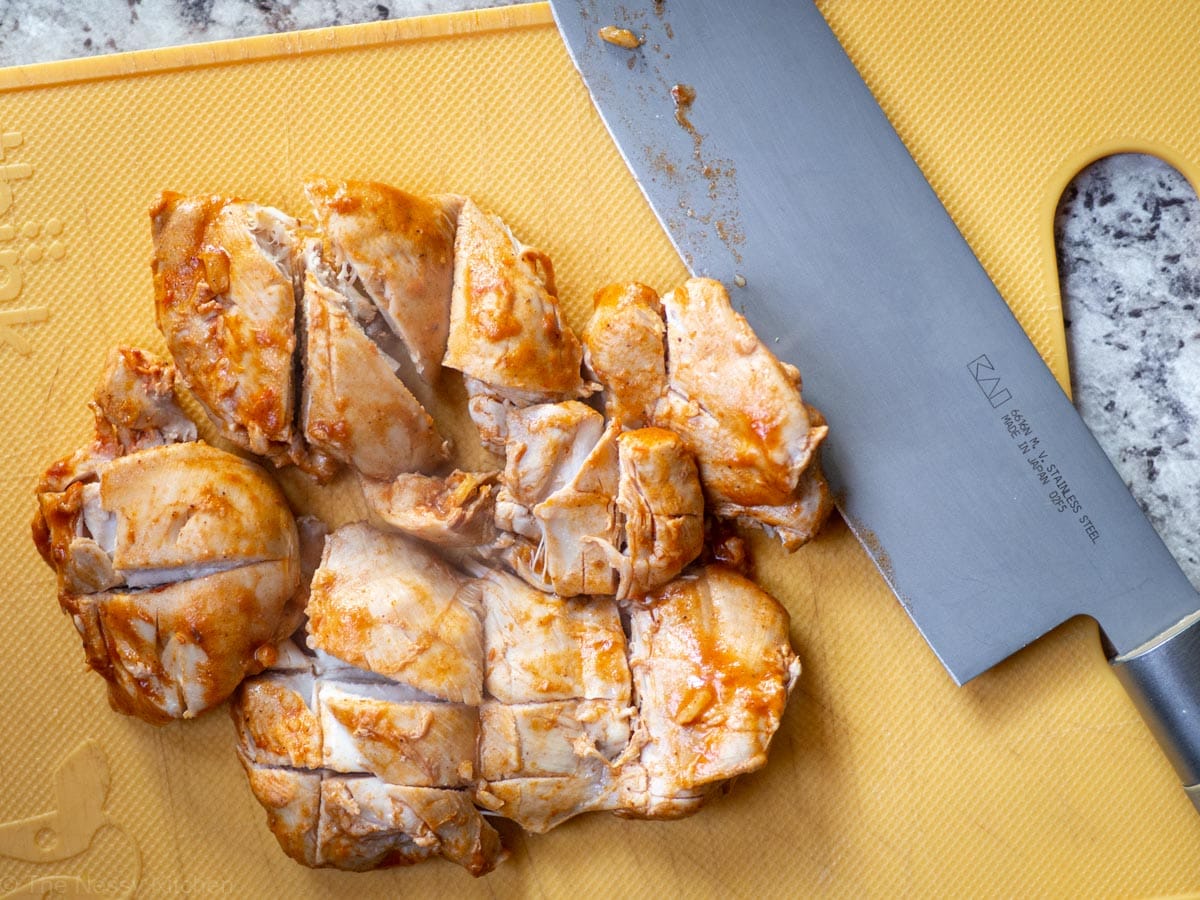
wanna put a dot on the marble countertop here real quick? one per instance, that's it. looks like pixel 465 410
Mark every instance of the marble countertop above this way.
pixel 1127 227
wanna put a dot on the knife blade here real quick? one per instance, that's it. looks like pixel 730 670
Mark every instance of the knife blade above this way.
pixel 954 454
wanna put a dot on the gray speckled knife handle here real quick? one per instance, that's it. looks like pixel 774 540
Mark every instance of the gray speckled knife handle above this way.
pixel 1163 678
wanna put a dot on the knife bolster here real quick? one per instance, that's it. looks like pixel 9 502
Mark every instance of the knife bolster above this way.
pixel 1163 679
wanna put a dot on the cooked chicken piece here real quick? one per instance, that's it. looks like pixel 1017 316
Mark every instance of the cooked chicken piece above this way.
pixel 400 249
pixel 359 822
pixel 539 804
pixel 566 477
pixel 352 767
pixel 506 334
pixel 455 511
pixel 623 347
pixel 563 737
pixel 133 408
pixel 367 823
pixel 292 799
pixel 135 403
pixel 712 669
pixel 355 408
pixel 560 480
pixel 226 279
pixel 795 523
pixel 736 406
pixel 384 730
pixel 542 763
pixel 175 561
pixel 662 508
pixel 386 604
pixel 176 650
pixel 171 513
pixel 540 647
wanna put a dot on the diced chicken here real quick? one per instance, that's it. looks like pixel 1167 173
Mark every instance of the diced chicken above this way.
pixel 355 408
pixel 506 334
pixel 175 561
pixel 276 720
pixel 292 799
pixel 389 765
pixel 378 729
pixel 662 509
pixel 736 406
pixel 226 279
pixel 560 481
pixel 712 669
pixel 623 347
pixel 386 604
pixel 542 763
pixel 367 823
pixel 170 513
pixel 567 477
pixel 794 523
pixel 542 647
pixel 455 511
pixel 176 650
pixel 135 403
pixel 400 249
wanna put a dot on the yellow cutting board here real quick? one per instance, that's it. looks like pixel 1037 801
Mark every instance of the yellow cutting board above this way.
pixel 1037 778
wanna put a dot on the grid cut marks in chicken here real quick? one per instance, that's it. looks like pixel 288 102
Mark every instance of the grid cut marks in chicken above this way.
pixel 400 249
pixel 175 561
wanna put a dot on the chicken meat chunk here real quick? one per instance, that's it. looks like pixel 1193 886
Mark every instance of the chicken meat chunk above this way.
pixel 623 350
pixel 227 276
pixel 387 605
pixel 453 512
pixel 587 509
pixel 506 334
pixel 705 375
pixel 558 498
pixel 355 408
pixel 559 713
pixel 175 561
pixel 398 249
pixel 662 509
pixel 357 771
pixel 712 669
pixel 736 406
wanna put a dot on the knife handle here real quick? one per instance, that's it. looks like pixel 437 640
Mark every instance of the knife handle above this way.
pixel 1163 679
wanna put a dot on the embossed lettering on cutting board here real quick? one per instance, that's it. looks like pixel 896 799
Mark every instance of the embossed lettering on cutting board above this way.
pixel 23 245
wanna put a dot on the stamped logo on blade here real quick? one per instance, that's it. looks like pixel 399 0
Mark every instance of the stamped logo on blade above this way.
pixel 988 381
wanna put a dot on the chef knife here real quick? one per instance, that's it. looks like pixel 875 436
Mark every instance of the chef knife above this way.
pixel 955 456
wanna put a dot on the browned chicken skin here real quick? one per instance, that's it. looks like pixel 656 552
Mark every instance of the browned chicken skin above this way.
pixel 506 334
pixel 400 249
pixel 227 276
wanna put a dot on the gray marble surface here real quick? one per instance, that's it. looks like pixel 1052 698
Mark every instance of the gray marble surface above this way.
pixel 1127 231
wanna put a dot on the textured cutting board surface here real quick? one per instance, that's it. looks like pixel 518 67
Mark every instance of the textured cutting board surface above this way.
pixel 1037 778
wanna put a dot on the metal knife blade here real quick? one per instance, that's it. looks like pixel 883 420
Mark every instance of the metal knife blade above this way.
pixel 955 456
